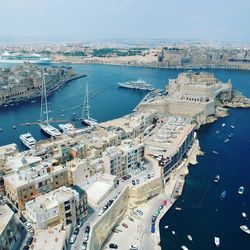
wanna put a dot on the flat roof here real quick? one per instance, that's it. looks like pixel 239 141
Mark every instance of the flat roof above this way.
pixel 97 191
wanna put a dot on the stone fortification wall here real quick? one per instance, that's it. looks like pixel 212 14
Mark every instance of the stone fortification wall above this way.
pixel 143 192
pixel 101 230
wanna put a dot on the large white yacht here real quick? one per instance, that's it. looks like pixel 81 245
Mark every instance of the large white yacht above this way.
pixel 50 130
pixel 28 140
pixel 67 128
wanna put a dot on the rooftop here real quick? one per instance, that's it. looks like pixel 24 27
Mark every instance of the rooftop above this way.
pixel 5 216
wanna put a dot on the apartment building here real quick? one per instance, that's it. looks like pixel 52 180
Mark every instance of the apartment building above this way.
pixel 64 205
pixel 25 184
pixel 124 158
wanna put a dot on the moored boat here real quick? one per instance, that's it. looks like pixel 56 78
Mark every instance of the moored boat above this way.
pixel 217 241
pixel 217 178
pixel 189 237
pixel 241 190
pixel 28 140
pixel 184 247
pixel 67 128
pixel 223 195
pixel 245 229
pixel 244 214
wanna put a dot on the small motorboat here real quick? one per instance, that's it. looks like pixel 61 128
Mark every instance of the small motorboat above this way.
pixel 223 124
pixel 166 227
pixel 215 152
pixel 232 126
pixel 217 131
pixel 178 208
pixel 241 190
pixel 173 232
pixel 223 195
pixel 226 140
pixel 244 215
pixel 189 237
pixel 245 229
pixel 217 178
pixel 184 247
pixel 217 241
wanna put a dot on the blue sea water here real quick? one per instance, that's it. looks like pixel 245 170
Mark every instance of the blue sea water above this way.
pixel 204 215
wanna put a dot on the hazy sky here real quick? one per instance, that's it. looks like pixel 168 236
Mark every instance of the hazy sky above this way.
pixel 223 20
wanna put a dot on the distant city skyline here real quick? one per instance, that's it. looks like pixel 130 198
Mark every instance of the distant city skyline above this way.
pixel 224 20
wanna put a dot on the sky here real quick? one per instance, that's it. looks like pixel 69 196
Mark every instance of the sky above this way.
pixel 215 20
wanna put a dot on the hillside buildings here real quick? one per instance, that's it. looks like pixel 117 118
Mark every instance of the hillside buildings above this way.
pixel 63 205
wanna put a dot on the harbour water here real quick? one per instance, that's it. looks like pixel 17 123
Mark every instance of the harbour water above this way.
pixel 204 215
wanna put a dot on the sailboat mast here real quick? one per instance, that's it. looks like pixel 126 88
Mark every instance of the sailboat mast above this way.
pixel 85 110
pixel 45 100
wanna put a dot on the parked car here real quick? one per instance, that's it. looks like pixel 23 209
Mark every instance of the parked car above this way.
pixel 133 182
pixel 139 212
pixel 164 203
pixel 113 246
pixel 22 219
pixel 28 225
pixel 76 231
pixel 101 212
pixel 86 237
pixel 133 247
pixel 72 239
pixel 87 229
pixel 149 176
pixel 137 181
pixel 79 223
pixel 26 247
pixel 84 245
pixel 125 225
pixel 31 232
pixel 29 241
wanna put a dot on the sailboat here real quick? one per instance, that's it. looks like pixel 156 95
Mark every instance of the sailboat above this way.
pixel 44 123
pixel 85 117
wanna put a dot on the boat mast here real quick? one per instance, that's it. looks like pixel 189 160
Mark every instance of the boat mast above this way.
pixel 44 101
pixel 85 110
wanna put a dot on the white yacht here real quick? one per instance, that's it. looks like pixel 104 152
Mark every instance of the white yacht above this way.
pixel 28 140
pixel 44 123
pixel 184 247
pixel 245 229
pixel 217 241
pixel 67 128
pixel 173 232
pixel 85 117
pixel 50 130
pixel 223 124
pixel 189 237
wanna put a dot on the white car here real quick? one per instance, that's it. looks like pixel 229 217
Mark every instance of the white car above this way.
pixel 72 239
pixel 101 212
pixel 133 247
pixel 28 225
pixel 139 212
pixel 86 237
